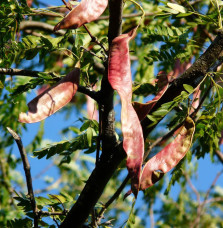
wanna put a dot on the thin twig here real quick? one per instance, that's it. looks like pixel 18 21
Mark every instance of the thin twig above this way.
pixel 94 39
pixel 41 26
pixel 211 187
pixel 213 200
pixel 93 219
pixel 192 187
pixel 92 53
pixel 131 15
pixel 200 209
pixel 27 168
pixel 68 6
pixel 54 219
pixel 151 214
pixel 201 102
pixel 56 222
pixel 46 13
pixel 47 213
pixel 14 72
pixel 113 198
pixel 41 173
pixel 220 155
pixel 50 187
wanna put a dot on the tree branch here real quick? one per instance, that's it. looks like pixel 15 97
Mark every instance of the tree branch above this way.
pixel 131 15
pixel 27 168
pixel 31 25
pixel 39 25
pixel 112 153
pixel 200 209
pixel 193 188
pixel 16 72
pixel 47 213
pixel 113 198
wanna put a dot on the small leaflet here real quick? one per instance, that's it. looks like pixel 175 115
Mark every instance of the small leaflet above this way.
pixel 177 7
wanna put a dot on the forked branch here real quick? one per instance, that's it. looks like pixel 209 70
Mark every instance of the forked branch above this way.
pixel 27 168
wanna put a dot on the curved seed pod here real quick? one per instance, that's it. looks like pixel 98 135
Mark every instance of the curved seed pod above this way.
pixel 169 156
pixel 52 99
pixel 143 110
pixel 119 76
pixel 85 12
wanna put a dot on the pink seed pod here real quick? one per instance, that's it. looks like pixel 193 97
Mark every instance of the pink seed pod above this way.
pixel 119 76
pixel 52 99
pixel 85 12
pixel 169 156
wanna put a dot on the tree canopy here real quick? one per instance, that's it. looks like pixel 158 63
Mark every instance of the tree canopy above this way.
pixel 141 82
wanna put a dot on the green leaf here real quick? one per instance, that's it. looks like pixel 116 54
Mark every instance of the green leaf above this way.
pixel 188 88
pixel 1 85
pixel 184 14
pixel 143 89
pixel 58 198
pixel 31 53
pixel 52 149
pixel 160 112
pixel 85 125
pixel 177 7
pixel 89 136
pixel 172 11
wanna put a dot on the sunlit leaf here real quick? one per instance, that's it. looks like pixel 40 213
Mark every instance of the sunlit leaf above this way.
pixel 177 7
pixel 188 88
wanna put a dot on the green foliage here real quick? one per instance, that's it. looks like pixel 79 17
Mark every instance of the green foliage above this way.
pixel 87 140
pixel 157 115
pixel 208 131
pixel 143 89
pixel 174 44
pixel 32 84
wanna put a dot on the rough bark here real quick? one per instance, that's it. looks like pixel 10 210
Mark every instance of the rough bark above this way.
pixel 112 153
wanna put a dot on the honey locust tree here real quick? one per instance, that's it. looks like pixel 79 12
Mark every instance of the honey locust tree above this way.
pixel 138 85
